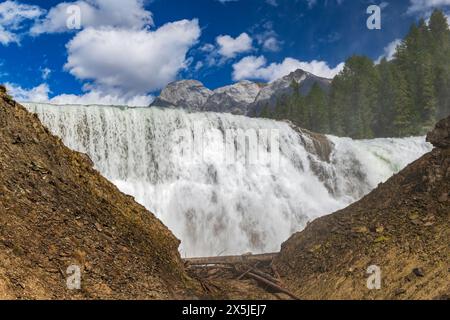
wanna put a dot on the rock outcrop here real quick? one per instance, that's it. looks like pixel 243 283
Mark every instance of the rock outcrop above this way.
pixel 233 99
pixel 243 98
pixel 275 90
pixel 400 229
pixel 186 94
pixel 440 136
pixel 56 211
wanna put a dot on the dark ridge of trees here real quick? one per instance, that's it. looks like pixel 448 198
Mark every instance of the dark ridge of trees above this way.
pixel 397 98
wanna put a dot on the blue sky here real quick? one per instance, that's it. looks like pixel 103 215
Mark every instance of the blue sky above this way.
pixel 125 51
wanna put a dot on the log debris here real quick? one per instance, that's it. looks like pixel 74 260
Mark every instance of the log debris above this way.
pixel 273 285
pixel 256 267
pixel 232 260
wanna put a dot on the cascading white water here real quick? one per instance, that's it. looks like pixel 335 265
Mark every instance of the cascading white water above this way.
pixel 216 206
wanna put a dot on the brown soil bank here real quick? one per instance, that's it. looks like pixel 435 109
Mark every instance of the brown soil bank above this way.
pixel 57 211
pixel 402 227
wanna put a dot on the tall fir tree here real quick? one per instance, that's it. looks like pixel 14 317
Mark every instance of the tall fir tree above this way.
pixel 318 106
pixel 359 79
pixel 386 95
pixel 401 97
pixel 337 106
pixel 403 109
pixel 440 50
pixel 266 112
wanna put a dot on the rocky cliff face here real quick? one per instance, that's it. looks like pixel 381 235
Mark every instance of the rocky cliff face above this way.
pixel 440 136
pixel 269 94
pixel 57 211
pixel 402 228
pixel 185 94
pixel 233 99
pixel 244 98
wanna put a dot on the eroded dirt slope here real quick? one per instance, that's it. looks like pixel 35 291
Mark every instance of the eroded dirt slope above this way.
pixel 402 227
pixel 56 211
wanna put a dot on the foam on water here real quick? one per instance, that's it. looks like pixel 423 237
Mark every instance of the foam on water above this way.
pixel 216 206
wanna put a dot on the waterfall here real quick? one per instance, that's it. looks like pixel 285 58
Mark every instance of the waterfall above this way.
pixel 206 179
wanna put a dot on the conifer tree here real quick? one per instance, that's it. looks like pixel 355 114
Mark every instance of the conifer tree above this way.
pixel 440 50
pixel 336 106
pixel 427 97
pixel 265 112
pixel 386 95
pixel 317 104
pixel 403 121
pixel 401 97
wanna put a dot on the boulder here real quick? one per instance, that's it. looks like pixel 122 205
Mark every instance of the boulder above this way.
pixel 440 136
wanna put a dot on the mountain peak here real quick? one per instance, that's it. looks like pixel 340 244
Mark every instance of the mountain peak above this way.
pixel 187 94
pixel 244 97
pixel 233 98
pixel 269 94
pixel 296 75
pixel 300 73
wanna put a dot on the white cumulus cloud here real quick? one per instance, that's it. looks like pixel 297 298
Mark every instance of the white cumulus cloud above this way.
pixel 102 98
pixel 7 37
pixel 36 94
pixel 229 47
pixel 271 44
pixel 129 14
pixel 41 93
pixel 131 62
pixel 389 50
pixel 116 54
pixel 253 67
pixel 13 15
pixel 426 5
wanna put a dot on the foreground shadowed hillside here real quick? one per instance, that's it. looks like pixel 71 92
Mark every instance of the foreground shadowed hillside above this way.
pixel 56 211
pixel 402 227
